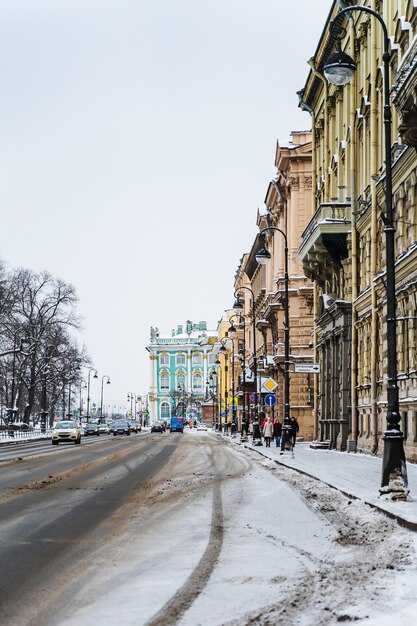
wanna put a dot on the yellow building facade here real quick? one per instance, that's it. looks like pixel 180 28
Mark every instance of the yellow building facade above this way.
pixel 343 247
pixel 261 288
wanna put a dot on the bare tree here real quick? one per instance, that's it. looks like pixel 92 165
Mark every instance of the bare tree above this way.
pixel 37 345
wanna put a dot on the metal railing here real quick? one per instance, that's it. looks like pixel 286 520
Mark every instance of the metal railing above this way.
pixel 24 435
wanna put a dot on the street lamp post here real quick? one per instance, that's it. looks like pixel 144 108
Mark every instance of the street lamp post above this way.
pixel 220 391
pixel 12 409
pixel 213 394
pixel 238 306
pixel 339 70
pixel 262 256
pixel 44 411
pixel 69 394
pixel 132 397
pixel 92 369
pixel 83 385
pixel 102 393
pixel 242 356
pixel 223 350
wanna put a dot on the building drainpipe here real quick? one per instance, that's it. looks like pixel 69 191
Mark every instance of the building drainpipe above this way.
pixel 316 377
pixel 354 247
pixel 305 107
pixel 374 232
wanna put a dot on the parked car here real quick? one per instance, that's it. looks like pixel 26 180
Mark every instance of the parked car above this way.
pixel 121 427
pixel 201 426
pixel 66 431
pixel 134 426
pixel 91 429
pixel 104 428
pixel 157 427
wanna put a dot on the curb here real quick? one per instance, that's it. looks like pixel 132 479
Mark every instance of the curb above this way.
pixel 400 520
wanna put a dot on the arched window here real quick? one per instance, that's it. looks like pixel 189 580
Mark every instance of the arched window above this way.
pixel 165 410
pixel 181 380
pixel 197 382
pixel 164 381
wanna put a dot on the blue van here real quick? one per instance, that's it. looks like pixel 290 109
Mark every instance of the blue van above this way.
pixel 177 424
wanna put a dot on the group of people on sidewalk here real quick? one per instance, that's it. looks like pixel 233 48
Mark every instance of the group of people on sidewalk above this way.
pixel 269 429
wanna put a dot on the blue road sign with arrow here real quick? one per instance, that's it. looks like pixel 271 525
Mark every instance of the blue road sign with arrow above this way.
pixel 270 399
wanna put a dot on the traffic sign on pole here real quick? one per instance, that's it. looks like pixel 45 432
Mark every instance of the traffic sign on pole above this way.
pixel 270 399
pixel 307 368
pixel 269 385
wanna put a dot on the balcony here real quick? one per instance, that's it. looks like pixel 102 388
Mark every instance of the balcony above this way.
pixel 323 242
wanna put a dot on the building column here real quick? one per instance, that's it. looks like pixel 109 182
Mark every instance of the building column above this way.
pixel 189 368
pixel 153 406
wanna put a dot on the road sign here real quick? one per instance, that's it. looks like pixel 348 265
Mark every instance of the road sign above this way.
pixel 233 401
pixel 269 385
pixel 270 399
pixel 307 368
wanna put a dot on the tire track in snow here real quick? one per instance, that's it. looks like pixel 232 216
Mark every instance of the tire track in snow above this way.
pixel 195 583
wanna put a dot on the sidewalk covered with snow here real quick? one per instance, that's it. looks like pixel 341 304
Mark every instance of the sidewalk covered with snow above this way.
pixel 357 475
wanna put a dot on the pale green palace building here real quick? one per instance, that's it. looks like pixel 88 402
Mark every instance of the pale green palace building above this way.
pixel 180 363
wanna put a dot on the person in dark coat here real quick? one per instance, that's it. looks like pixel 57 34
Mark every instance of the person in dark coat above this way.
pixel 295 427
pixel 245 429
pixel 257 438
pixel 277 432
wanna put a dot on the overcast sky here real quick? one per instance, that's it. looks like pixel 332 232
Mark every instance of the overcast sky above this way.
pixel 137 140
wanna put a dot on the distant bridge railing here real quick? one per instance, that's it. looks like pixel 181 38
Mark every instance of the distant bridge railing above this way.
pixel 11 434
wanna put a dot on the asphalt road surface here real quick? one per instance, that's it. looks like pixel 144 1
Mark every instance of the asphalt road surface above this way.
pixel 164 529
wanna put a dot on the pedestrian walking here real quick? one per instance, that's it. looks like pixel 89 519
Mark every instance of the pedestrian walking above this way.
pixel 268 431
pixel 277 432
pixel 250 428
pixel 257 437
pixel 244 429
pixel 295 427
pixel 262 420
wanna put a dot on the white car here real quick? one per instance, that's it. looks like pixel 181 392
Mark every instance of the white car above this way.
pixel 201 426
pixel 67 430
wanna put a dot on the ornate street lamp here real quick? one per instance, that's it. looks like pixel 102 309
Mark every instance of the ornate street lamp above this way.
pixel 220 390
pixel 101 397
pixel 92 369
pixel 232 329
pixel 238 306
pixel 130 397
pixel 223 350
pixel 339 69
pixel 213 393
pixel 262 256
pixel 12 409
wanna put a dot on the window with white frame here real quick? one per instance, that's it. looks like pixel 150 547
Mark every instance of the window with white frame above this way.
pixel 181 358
pixel 211 358
pixel 164 359
pixel 181 380
pixel 165 410
pixel 197 382
pixel 164 381
pixel 197 358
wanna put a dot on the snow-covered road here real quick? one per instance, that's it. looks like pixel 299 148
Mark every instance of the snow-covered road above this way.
pixel 230 538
